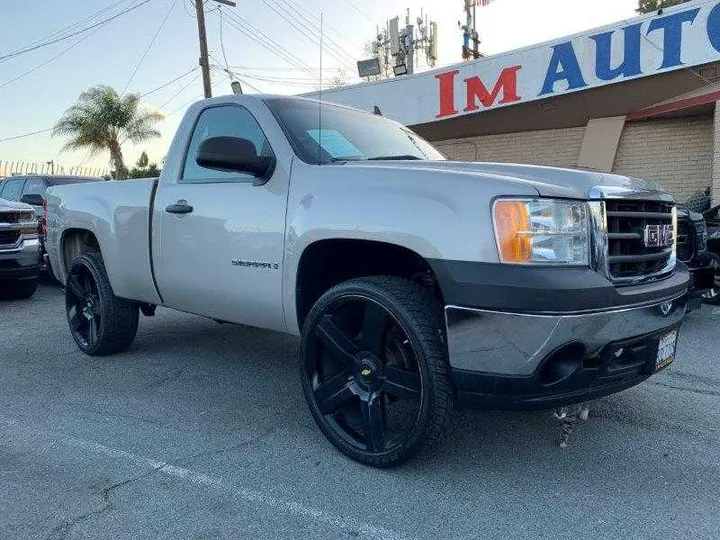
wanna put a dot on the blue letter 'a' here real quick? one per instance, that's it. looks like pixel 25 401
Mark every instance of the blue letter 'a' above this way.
pixel 563 66
pixel 672 25
pixel 630 65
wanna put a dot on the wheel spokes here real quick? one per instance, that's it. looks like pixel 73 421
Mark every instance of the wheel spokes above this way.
pixel 334 393
pixel 74 318
pixel 401 383
pixel 77 289
pixel 92 331
pixel 371 411
pixel 338 343
pixel 375 321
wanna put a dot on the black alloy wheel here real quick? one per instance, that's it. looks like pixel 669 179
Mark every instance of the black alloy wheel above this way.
pixel 82 301
pixel 100 322
pixel 374 370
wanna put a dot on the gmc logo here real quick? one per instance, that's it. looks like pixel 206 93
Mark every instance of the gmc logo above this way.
pixel 658 236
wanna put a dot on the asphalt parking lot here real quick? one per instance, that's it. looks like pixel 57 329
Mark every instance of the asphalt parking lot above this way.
pixel 200 431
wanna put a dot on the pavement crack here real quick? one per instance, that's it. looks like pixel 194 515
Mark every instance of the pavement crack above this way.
pixel 230 448
pixel 172 377
pixel 63 530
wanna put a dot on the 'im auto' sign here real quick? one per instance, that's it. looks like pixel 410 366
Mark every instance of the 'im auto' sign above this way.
pixel 684 36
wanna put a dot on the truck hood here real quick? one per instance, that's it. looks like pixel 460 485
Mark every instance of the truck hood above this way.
pixel 548 181
pixel 9 206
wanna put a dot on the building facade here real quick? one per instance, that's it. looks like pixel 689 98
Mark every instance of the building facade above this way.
pixel 637 98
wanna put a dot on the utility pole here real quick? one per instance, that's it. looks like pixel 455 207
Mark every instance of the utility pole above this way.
pixel 204 62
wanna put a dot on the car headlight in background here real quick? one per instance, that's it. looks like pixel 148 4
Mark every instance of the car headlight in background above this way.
pixel 542 231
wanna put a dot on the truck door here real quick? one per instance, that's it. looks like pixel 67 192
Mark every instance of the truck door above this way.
pixel 219 249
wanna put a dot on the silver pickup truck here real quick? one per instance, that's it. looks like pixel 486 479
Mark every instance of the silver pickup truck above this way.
pixel 417 285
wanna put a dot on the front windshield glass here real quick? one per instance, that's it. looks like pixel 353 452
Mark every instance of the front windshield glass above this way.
pixel 346 135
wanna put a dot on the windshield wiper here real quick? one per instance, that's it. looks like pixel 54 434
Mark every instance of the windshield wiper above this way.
pixel 400 157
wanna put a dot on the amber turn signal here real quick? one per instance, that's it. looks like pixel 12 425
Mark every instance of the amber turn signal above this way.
pixel 512 223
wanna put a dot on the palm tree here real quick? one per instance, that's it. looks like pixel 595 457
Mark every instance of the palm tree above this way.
pixel 650 6
pixel 102 120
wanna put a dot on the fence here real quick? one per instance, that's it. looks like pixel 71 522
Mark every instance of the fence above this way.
pixel 10 168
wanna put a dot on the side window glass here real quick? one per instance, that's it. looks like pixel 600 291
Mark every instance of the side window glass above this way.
pixel 34 186
pixel 228 121
pixel 12 190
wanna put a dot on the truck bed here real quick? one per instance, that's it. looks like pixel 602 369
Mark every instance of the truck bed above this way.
pixel 119 213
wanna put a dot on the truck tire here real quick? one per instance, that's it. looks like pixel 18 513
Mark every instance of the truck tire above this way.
pixel 711 296
pixel 374 369
pixel 100 322
pixel 18 289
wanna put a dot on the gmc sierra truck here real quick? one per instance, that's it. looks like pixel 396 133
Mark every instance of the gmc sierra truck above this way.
pixel 19 251
pixel 417 285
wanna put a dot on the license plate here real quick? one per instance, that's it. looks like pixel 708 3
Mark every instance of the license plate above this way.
pixel 666 350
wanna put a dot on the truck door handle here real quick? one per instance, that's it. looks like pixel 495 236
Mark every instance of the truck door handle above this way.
pixel 180 207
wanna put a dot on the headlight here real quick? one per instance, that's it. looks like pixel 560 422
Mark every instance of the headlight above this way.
pixel 542 231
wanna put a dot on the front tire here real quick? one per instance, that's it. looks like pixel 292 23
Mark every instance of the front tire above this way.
pixel 374 369
pixel 100 322
pixel 711 296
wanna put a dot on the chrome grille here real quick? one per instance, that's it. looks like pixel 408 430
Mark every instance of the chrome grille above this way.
pixel 629 258
pixel 9 237
pixel 10 217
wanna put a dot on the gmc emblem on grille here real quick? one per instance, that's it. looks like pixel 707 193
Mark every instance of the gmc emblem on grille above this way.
pixel 658 236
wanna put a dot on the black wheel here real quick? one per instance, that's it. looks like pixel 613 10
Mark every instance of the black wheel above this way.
pixel 711 296
pixel 374 369
pixel 100 322
pixel 18 289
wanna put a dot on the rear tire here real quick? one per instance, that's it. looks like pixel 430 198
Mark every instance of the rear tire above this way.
pixel 711 296
pixel 100 322
pixel 375 370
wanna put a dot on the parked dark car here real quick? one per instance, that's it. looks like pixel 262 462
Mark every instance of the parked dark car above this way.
pixel 692 249
pixel 14 188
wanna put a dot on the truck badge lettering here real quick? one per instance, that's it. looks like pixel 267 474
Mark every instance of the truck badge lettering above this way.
pixel 658 236
pixel 255 264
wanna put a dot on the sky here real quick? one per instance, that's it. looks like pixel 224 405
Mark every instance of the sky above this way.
pixel 36 88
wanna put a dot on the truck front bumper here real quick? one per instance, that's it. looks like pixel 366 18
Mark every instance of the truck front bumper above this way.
pixel 21 261
pixel 503 360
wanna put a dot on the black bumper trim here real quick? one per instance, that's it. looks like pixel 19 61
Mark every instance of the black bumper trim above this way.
pixel 514 288
pixel 20 272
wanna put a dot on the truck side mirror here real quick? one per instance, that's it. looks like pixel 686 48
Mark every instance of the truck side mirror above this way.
pixel 234 154
pixel 33 199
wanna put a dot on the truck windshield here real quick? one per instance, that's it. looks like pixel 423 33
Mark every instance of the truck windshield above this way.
pixel 346 134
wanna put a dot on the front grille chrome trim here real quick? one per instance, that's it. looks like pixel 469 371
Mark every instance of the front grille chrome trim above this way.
pixel 600 236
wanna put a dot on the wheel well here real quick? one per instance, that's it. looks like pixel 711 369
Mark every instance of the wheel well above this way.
pixel 326 263
pixel 75 242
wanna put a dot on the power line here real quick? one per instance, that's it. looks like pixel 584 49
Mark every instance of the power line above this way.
pixel 306 16
pixel 267 43
pixel 360 11
pixel 26 134
pixel 195 98
pixel 147 49
pixel 74 25
pixel 73 34
pixel 222 41
pixel 168 83
pixel 176 94
pixel 302 31
pixel 46 62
